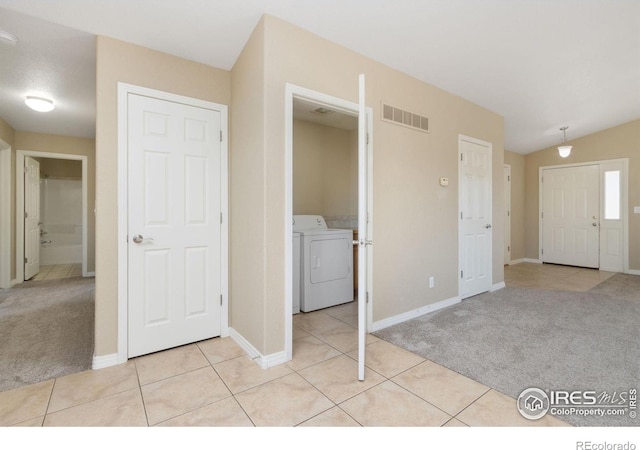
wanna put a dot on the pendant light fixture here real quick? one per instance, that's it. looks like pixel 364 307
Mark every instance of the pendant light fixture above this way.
pixel 564 150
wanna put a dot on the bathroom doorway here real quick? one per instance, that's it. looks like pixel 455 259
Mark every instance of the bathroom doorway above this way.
pixel 63 213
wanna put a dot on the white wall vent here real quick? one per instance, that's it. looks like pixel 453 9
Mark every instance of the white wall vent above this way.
pixel 406 118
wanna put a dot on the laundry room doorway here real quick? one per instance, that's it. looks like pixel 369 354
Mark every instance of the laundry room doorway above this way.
pixel 328 209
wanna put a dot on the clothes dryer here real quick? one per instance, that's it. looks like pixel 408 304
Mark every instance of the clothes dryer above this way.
pixel 326 263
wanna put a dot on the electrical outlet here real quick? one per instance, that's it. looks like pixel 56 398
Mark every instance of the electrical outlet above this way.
pixel 431 282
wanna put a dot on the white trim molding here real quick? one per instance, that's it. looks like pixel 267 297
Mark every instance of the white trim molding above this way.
pixel 633 272
pixel 264 361
pixel 513 262
pixel 497 286
pixel 532 260
pixel 101 362
pixel 5 215
pixel 385 323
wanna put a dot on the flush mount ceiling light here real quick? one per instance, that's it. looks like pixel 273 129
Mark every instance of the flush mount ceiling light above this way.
pixel 39 103
pixel 7 38
pixel 564 150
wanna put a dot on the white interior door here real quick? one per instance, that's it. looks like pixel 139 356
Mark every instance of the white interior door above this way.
pixel 31 217
pixel 570 216
pixel 474 216
pixel 507 214
pixel 174 231
pixel 364 242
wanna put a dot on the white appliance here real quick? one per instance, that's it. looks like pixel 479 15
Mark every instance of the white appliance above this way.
pixel 326 263
pixel 296 272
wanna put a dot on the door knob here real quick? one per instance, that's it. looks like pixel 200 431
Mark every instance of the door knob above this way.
pixel 487 226
pixel 595 224
pixel 138 239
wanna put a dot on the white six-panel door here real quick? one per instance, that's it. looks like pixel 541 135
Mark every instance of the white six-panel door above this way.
pixel 475 216
pixel 570 216
pixel 32 217
pixel 174 231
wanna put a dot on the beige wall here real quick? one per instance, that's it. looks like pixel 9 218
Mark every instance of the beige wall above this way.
pixel 516 161
pixel 119 61
pixel 247 271
pixel 414 218
pixel 60 168
pixel 49 143
pixel 7 134
pixel 618 142
pixel 322 170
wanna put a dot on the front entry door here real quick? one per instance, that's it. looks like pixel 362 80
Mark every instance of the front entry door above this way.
pixel 570 216
pixel 475 237
pixel 174 231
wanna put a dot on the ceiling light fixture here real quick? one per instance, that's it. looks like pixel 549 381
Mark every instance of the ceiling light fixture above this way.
pixel 564 150
pixel 39 103
pixel 8 38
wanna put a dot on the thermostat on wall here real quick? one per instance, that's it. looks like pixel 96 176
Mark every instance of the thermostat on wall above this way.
pixel 444 181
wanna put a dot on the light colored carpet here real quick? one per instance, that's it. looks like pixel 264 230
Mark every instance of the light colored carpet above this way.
pixel 46 330
pixel 517 338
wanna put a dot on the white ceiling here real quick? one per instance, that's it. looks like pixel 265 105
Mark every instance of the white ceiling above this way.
pixel 542 64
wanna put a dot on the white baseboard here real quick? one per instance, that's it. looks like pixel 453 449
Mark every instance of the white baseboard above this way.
pixel 89 274
pixel 264 361
pixel 497 286
pixel 532 260
pixel 376 326
pixel 513 262
pixel 13 282
pixel 633 272
pixel 100 362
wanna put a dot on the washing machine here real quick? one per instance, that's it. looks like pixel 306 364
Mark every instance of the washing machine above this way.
pixel 296 273
pixel 326 263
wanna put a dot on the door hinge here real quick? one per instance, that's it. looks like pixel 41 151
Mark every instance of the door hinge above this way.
pixel 367 297
pixel 541 179
pixel 461 215
pixel 220 299
pixel 542 251
pixel 508 178
pixel 542 215
pixel 26 214
pixel 220 135
pixel 26 260
pixel 220 218
pixel 508 213
pixel 508 248
pixel 462 274
pixel 461 156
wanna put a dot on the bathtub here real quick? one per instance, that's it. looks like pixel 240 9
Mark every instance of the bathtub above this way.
pixel 60 248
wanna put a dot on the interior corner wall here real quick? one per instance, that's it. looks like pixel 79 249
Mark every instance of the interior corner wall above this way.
pixel 118 61
pixel 414 218
pixel 247 198
pixel 516 161
pixel 622 141
pixel 7 134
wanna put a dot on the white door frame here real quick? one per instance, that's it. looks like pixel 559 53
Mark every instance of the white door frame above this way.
pixel 20 155
pixel 624 200
pixel 507 206
pixel 292 91
pixel 124 90
pixel 5 215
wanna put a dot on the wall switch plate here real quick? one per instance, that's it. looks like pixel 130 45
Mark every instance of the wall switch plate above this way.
pixel 636 209
pixel 444 181
pixel 431 282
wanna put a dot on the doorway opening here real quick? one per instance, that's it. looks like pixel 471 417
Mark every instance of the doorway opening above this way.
pixel 339 198
pixel 63 198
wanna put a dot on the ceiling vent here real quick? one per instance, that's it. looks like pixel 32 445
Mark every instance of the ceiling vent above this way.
pixel 406 118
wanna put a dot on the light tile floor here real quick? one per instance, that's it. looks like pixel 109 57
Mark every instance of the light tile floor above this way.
pixel 214 383
pixel 58 271
pixel 552 276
